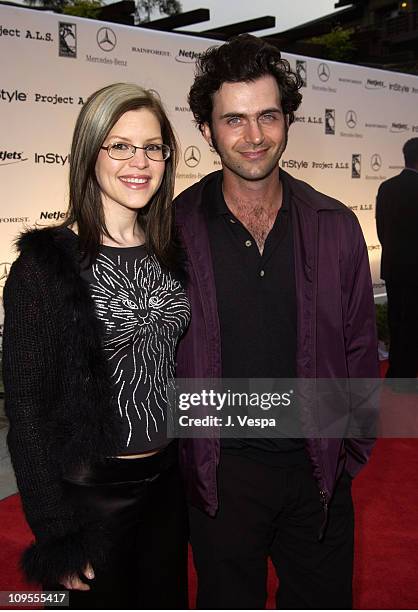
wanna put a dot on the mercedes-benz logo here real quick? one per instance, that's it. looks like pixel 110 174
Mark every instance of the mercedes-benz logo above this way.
pixel 376 162
pixel 324 72
pixel 351 119
pixel 106 39
pixel 192 156
pixel 4 272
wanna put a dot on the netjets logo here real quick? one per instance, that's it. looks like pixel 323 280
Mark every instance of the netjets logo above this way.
pixel 187 57
pixel 375 162
pixel 324 72
pixel 399 127
pixel 192 156
pixel 67 39
pixel 374 84
pixel 329 121
pixel 302 71
pixel 356 165
pixel 106 39
pixel 4 272
pixel 351 119
pixel 11 157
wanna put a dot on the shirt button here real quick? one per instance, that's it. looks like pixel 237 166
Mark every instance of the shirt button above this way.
pixel 232 221
pixel 262 273
pixel 248 243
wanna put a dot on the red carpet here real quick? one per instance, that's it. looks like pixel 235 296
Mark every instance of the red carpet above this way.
pixel 386 498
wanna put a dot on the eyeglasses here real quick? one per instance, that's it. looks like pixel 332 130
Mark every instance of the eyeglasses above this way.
pixel 122 150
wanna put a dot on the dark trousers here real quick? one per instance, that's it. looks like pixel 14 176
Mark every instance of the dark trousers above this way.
pixel 403 330
pixel 142 507
pixel 266 511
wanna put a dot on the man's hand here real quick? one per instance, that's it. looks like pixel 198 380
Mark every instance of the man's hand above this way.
pixel 73 582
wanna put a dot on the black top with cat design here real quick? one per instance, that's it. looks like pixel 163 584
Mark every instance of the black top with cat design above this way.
pixel 144 311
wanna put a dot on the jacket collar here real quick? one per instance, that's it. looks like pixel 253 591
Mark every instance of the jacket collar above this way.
pixel 189 202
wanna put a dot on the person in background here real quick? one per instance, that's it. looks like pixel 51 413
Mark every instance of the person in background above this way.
pixel 93 312
pixel 280 287
pixel 397 229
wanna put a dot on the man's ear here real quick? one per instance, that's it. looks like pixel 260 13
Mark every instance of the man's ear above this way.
pixel 207 134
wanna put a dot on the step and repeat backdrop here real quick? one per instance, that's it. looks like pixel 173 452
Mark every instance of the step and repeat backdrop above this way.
pixel 346 140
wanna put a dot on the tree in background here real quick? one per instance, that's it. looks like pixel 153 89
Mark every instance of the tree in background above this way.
pixel 337 45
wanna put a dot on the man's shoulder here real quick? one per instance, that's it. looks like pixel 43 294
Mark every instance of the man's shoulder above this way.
pixel 404 178
pixel 192 196
pixel 304 194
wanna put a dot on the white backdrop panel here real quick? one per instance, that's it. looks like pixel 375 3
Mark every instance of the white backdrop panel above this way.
pixel 347 137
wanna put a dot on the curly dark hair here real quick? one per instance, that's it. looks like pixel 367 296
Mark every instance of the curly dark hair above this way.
pixel 242 58
pixel 410 152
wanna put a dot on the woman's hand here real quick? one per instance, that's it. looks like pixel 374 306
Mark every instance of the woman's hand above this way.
pixel 73 582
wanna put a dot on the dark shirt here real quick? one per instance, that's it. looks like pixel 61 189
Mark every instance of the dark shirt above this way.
pixel 256 300
pixel 144 311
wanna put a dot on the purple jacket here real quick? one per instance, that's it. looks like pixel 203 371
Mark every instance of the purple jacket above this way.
pixel 336 330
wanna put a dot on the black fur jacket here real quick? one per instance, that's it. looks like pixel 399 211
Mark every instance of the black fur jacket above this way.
pixel 57 398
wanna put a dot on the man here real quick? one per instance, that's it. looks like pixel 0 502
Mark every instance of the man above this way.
pixel 280 287
pixel 397 229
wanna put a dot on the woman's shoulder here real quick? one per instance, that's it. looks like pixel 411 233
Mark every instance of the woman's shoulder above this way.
pixel 43 252
pixel 46 241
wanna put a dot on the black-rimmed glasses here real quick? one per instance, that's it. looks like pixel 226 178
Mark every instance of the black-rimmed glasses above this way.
pixel 122 150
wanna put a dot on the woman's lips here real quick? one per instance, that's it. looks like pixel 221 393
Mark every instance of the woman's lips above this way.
pixel 135 182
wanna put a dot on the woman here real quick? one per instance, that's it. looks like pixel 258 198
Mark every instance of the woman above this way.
pixel 93 312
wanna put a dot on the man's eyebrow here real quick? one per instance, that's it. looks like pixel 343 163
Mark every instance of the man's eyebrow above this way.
pixel 265 111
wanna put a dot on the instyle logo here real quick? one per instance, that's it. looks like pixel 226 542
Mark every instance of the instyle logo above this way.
pixel 294 163
pixel 106 39
pixel 67 37
pixel 324 72
pixel 375 84
pixel 11 157
pixel 52 158
pixel 13 96
pixel 187 57
pixel 397 128
pixel 192 156
pixel 302 71
pixel 351 119
pixel 356 166
pixel 330 121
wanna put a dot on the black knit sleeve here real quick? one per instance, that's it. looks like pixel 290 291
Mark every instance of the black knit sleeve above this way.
pixel 64 543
